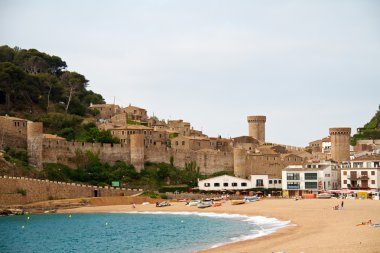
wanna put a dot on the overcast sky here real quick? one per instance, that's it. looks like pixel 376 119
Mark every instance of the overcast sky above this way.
pixel 306 65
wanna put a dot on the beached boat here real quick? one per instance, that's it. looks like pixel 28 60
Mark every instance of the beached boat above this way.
pixel 162 204
pixel 237 202
pixel 204 204
pixel 324 196
pixel 217 204
pixel 251 199
pixel 193 203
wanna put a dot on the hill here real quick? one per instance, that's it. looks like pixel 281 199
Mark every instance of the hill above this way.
pixel 33 82
pixel 371 130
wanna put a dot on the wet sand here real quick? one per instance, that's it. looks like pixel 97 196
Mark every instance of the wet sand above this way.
pixel 318 228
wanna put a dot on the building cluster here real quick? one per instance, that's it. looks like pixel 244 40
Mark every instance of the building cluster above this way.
pixel 249 157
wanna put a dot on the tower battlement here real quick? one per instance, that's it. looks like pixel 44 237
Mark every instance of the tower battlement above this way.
pixel 256 127
pixel 340 143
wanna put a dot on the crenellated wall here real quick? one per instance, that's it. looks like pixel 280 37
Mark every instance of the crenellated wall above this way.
pixel 41 190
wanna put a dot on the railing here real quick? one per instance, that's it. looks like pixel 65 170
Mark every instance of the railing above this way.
pixel 362 177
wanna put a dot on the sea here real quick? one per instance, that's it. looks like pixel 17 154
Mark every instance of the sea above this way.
pixel 129 232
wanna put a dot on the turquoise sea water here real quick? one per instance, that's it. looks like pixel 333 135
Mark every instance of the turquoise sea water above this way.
pixel 127 232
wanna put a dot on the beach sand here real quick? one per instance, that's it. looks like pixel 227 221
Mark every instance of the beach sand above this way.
pixel 318 228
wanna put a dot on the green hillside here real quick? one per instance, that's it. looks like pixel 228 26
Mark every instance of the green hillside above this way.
pixel 33 82
pixel 371 130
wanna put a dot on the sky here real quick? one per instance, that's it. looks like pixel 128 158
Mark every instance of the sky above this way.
pixel 306 65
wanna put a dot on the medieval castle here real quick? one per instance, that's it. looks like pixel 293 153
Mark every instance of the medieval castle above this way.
pixel 144 138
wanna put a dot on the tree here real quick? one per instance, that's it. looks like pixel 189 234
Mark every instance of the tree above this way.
pixel 73 83
pixel 11 78
pixel 48 82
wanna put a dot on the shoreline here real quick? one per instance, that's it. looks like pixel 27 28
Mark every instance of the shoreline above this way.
pixel 318 227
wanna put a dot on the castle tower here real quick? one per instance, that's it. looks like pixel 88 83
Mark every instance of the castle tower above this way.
pixel 137 151
pixel 239 162
pixel 340 143
pixel 256 127
pixel 34 137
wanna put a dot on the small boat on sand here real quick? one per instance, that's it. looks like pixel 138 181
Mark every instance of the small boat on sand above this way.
pixel 217 204
pixel 251 199
pixel 237 202
pixel 204 204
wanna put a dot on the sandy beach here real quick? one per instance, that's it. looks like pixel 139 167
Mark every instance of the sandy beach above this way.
pixel 318 228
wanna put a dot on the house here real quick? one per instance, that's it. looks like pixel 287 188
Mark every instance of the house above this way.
pixel 224 182
pixel 309 178
pixel 363 174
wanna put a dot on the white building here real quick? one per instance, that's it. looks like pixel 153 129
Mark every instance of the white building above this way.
pixel 226 182
pixel 309 178
pixel 265 182
pixel 364 174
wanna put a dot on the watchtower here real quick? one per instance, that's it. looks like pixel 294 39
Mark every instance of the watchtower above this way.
pixel 256 127
pixel 340 143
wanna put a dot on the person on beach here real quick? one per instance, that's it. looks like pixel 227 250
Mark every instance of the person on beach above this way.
pixel 133 205
pixel 341 205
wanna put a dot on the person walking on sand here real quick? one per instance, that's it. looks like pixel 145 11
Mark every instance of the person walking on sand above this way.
pixel 341 205
pixel 133 205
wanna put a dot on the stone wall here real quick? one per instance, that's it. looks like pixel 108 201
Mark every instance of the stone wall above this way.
pixel 41 190
pixel 62 151
pixel 12 132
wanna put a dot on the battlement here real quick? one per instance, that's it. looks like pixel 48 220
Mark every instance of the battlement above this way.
pixel 340 131
pixel 258 118
pixel 41 190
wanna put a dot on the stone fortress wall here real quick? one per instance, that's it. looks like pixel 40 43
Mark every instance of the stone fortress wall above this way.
pixel 41 190
pixel 245 161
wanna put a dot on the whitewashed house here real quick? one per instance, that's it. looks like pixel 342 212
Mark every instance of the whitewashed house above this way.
pixel 309 178
pixel 224 182
pixel 265 182
pixel 363 174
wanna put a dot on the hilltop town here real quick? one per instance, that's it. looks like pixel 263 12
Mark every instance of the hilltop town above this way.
pixel 146 139
pixel 51 128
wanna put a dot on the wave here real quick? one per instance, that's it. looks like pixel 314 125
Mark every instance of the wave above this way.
pixel 263 225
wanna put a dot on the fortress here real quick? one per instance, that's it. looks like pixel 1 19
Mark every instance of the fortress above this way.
pixel 145 139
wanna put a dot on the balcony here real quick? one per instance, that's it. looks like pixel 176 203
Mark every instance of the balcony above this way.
pixel 355 177
pixel 357 187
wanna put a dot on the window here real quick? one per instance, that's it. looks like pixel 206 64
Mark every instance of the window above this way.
pixel 183 143
pixel 372 172
pixel 310 176
pixel 364 173
pixel 234 184
pixel 279 181
pixel 216 184
pixel 293 186
pixel 270 181
pixel 259 182
pixel 225 184
pixel 311 185
pixel 207 184
pixel 293 176
pixel 275 181
pixel 176 143
pixel 345 173
pixel 243 184
pixel 373 182
pixel 344 181
pixel 327 175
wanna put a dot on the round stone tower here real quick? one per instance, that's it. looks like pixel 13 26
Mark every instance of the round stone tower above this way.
pixel 239 162
pixel 256 127
pixel 137 151
pixel 340 143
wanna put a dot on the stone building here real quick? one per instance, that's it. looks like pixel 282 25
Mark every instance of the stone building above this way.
pixel 340 143
pixel 106 111
pixel 256 127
